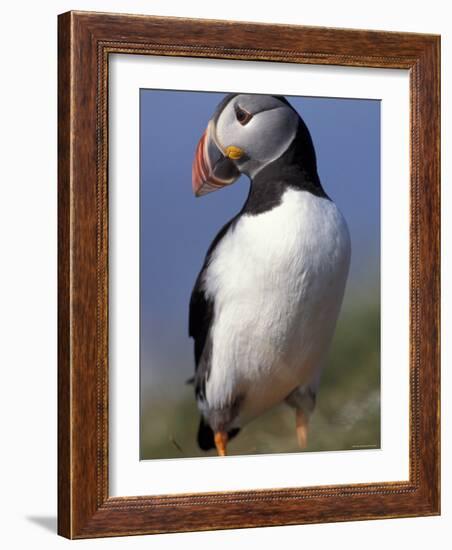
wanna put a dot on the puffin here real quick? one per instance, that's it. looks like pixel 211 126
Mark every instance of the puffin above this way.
pixel 265 303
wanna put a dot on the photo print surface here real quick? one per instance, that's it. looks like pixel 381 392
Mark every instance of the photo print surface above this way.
pixel 259 274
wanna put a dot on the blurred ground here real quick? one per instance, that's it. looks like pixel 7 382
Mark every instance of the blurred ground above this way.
pixel 347 414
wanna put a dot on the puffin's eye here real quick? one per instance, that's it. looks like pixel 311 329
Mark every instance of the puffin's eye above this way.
pixel 242 116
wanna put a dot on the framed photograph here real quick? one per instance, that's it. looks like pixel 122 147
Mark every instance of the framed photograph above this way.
pixel 248 275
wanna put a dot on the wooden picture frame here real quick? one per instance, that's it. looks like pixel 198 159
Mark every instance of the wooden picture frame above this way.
pixel 85 42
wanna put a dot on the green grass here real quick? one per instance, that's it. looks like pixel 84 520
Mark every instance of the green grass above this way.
pixel 347 415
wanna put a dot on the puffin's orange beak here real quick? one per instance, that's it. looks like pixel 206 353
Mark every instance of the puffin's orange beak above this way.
pixel 212 169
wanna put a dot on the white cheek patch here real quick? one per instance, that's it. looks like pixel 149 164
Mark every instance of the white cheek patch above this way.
pixel 266 136
pixel 270 135
pixel 228 127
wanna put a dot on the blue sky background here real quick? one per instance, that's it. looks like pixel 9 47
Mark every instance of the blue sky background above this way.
pixel 177 228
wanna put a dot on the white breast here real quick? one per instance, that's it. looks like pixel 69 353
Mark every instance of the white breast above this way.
pixel 277 280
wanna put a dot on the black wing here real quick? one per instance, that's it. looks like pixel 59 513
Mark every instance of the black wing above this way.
pixel 200 321
pixel 201 306
pixel 201 316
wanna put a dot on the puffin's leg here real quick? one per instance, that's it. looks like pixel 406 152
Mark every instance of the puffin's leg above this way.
pixel 302 422
pixel 302 399
pixel 221 440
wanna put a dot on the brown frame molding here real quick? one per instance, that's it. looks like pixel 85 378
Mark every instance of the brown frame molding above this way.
pixel 85 41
